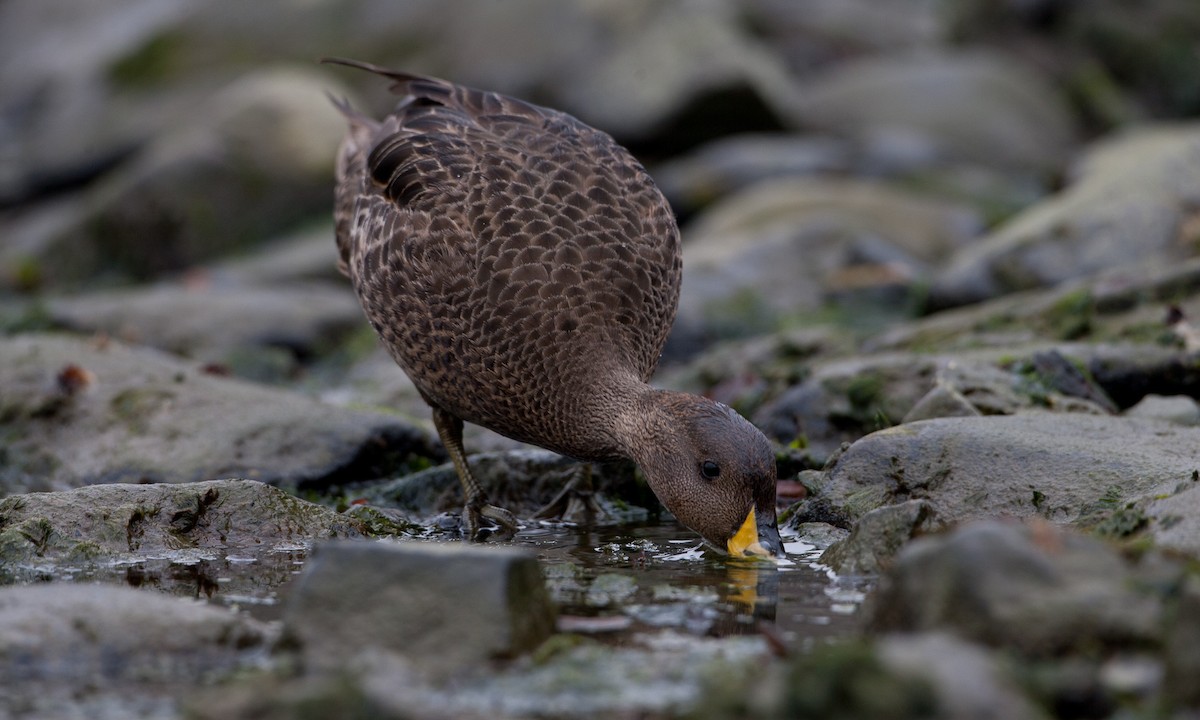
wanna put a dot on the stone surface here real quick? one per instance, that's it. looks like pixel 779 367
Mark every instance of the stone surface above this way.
pixel 1062 467
pixel 215 323
pixel 1132 198
pixel 969 681
pixel 781 248
pixel 878 535
pixel 70 650
pixel 109 520
pixel 78 413
pixel 938 106
pixel 255 161
pixel 1179 409
pixel 446 608
pixel 1037 589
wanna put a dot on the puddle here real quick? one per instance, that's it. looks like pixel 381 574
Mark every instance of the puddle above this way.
pixel 616 584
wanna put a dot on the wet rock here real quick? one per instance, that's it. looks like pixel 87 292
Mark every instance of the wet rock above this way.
pixel 784 247
pixel 213 323
pixel 1036 589
pixel 258 157
pixel 935 107
pixel 1063 467
pixel 138 415
pixel 878 535
pixel 107 520
pixel 70 650
pixel 1132 199
pixel 448 608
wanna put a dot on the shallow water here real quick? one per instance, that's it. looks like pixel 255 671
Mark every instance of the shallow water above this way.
pixel 628 580
pixel 615 584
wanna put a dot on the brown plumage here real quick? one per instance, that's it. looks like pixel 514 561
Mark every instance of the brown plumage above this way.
pixel 523 270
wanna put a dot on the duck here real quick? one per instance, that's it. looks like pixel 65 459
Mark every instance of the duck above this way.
pixel 523 269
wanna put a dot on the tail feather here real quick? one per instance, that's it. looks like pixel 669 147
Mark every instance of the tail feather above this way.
pixel 400 79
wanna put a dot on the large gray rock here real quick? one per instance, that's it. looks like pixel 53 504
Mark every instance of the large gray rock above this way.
pixel 1130 200
pixel 256 159
pixel 109 520
pixel 784 247
pixel 937 107
pixel 211 322
pixel 1037 589
pixel 1174 517
pixel 1065 467
pixel 445 607
pixel 78 413
pixel 70 650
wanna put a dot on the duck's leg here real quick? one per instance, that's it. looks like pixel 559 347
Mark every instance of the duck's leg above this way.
pixel 577 501
pixel 477 506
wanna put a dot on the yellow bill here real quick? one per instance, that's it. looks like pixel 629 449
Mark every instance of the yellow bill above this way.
pixel 745 540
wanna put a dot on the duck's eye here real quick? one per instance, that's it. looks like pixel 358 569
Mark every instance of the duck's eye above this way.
pixel 710 470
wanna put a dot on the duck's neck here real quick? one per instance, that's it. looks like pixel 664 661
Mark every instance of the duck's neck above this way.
pixel 641 424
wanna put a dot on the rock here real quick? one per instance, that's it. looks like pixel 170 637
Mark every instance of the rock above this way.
pixel 1173 516
pixel 673 62
pixel 61 126
pixel 1179 409
pixel 941 401
pixel 842 400
pixel 784 247
pixel 730 164
pixel 969 682
pixel 829 30
pixel 304 256
pixel 76 650
pixel 878 535
pixel 448 608
pixel 78 413
pixel 1130 200
pixel 106 520
pixel 1063 467
pixel 1124 305
pixel 237 327
pixel 1039 590
pixel 258 155
pixel 1183 646
pixel 946 106
pixel 841 680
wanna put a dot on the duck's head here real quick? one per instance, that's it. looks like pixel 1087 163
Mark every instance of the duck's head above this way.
pixel 713 470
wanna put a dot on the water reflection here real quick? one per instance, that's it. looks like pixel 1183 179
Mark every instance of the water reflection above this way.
pixel 674 583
